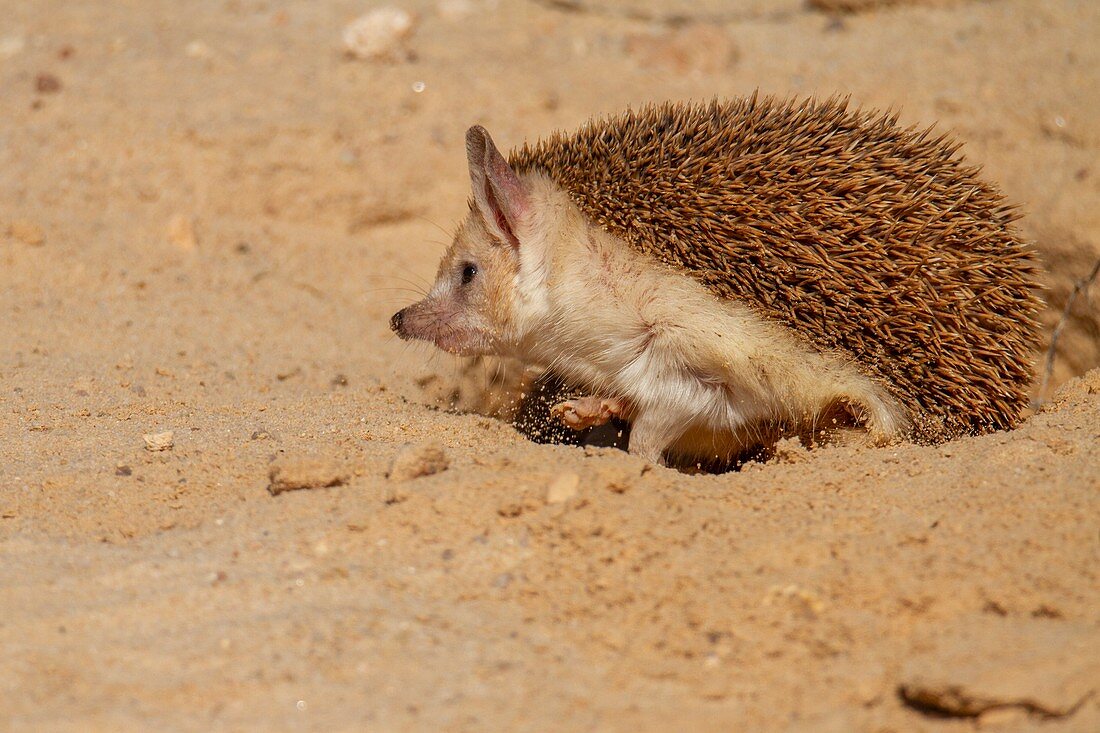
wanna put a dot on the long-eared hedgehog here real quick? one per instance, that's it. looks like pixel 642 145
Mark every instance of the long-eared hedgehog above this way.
pixel 720 274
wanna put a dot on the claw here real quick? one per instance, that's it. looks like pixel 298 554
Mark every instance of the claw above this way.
pixel 587 412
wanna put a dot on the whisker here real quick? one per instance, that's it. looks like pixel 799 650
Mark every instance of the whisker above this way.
pixel 434 224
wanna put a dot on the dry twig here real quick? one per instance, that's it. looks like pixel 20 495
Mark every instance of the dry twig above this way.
pixel 1079 287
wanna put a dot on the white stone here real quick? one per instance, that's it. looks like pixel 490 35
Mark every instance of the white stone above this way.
pixel 563 488
pixel 379 33
pixel 159 441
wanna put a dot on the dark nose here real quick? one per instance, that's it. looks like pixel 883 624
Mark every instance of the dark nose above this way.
pixel 395 321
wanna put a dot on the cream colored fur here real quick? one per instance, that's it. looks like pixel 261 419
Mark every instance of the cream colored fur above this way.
pixel 699 376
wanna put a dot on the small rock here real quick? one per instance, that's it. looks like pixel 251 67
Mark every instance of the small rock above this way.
pixel 47 84
pixel 123 470
pixel 27 232
pixel 306 473
pixel 563 488
pixel 12 46
pixel 414 461
pixel 981 664
pixel 378 34
pixel 181 232
pixel 159 441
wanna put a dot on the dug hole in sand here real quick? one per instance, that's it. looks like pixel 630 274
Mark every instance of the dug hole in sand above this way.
pixel 208 216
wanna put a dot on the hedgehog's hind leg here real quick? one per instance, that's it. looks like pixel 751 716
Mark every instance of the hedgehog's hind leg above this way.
pixel 652 431
pixel 869 407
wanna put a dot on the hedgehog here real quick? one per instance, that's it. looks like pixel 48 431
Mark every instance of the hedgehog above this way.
pixel 721 275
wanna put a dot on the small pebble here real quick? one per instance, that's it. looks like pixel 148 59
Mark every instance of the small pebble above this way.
pixel 159 441
pixel 563 488
pixel 181 232
pixel 414 461
pixel 307 473
pixel 378 34
pixel 12 46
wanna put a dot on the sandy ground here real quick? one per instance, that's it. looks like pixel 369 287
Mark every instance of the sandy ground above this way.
pixel 207 216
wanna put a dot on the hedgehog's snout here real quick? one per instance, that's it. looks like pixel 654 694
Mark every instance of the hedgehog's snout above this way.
pixel 396 323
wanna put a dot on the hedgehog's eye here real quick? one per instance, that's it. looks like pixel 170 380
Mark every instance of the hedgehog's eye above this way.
pixel 469 272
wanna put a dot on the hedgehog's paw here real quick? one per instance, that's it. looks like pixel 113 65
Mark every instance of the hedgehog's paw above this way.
pixel 587 412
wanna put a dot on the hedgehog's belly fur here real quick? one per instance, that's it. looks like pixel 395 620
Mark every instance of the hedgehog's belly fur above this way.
pixel 704 375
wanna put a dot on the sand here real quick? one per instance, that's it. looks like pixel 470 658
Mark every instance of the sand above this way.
pixel 207 216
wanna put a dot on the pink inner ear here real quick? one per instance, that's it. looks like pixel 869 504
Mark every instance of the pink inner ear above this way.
pixel 498 216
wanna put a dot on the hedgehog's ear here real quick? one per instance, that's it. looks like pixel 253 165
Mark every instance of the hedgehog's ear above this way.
pixel 499 195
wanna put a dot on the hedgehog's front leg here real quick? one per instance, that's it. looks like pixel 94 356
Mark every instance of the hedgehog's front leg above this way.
pixel 651 432
pixel 588 412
